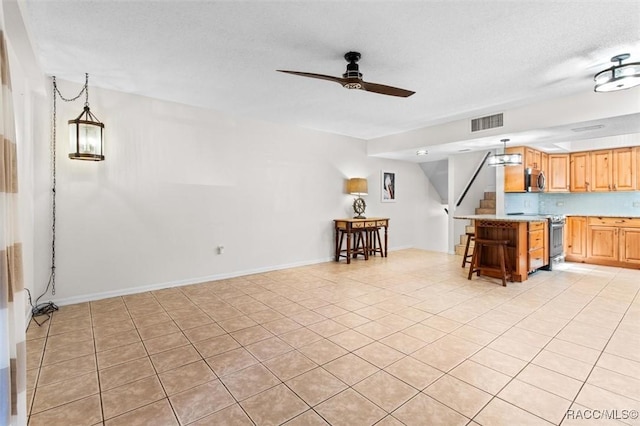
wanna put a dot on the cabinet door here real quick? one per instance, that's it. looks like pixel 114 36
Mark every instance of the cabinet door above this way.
pixel 637 167
pixel 514 175
pixel 530 158
pixel 601 170
pixel 576 237
pixel 558 177
pixel 603 243
pixel 580 171
pixel 624 169
pixel 544 158
pixel 533 158
pixel 630 245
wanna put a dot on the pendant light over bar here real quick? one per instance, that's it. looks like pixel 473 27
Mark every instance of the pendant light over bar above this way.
pixel 504 159
pixel 618 77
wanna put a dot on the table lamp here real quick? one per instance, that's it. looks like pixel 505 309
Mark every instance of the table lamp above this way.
pixel 358 187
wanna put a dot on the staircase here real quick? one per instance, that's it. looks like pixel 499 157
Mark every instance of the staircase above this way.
pixel 487 206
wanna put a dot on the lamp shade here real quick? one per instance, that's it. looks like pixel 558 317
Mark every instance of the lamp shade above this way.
pixel 357 186
pixel 86 137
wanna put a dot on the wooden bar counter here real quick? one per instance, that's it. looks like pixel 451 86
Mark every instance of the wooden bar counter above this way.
pixel 528 241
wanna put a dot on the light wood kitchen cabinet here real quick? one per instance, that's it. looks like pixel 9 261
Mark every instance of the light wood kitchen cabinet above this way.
pixel 533 158
pixel 602 243
pixel 514 175
pixel 624 169
pixel 545 163
pixel 614 169
pixel 613 241
pixel 576 240
pixel 558 176
pixel 538 255
pixel 630 245
pixel 601 170
pixel 637 167
pixel 580 175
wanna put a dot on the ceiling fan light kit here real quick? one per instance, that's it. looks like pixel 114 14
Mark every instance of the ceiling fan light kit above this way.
pixel 618 77
pixel 352 79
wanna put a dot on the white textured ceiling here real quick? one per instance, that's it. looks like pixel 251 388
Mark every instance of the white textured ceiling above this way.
pixel 463 58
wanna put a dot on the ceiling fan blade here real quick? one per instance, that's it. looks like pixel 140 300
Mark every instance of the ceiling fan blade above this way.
pixel 312 75
pixel 386 90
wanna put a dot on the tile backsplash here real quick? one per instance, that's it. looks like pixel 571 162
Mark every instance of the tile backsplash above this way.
pixel 604 203
pixel 588 204
pixel 527 203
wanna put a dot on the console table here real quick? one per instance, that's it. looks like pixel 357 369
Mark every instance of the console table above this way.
pixel 350 226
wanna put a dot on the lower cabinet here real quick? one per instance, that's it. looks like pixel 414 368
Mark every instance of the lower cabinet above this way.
pixel 603 240
pixel 538 250
pixel 630 245
pixel 576 240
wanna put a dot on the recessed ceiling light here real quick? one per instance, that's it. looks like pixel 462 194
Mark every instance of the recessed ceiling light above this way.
pixel 422 152
pixel 465 150
pixel 588 128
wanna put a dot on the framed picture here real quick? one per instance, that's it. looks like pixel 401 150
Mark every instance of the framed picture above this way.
pixel 388 187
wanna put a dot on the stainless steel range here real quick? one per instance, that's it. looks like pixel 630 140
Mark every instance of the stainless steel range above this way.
pixel 556 238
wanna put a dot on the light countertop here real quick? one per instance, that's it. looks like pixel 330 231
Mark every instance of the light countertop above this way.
pixel 504 218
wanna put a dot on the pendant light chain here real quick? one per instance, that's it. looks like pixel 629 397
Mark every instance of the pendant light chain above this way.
pixel 49 307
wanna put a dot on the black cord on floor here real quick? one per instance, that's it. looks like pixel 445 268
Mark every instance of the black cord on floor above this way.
pixel 41 309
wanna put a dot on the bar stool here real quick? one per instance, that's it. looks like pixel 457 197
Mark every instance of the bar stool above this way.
pixel 359 245
pixel 471 236
pixel 503 256
pixel 375 242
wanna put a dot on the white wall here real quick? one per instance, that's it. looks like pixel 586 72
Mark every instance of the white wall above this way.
pixel 178 181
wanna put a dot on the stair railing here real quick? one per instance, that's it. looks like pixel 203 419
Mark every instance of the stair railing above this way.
pixel 473 178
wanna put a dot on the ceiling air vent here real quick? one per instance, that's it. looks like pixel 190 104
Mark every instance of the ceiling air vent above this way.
pixel 488 122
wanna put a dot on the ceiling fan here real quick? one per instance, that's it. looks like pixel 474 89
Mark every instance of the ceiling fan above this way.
pixel 352 79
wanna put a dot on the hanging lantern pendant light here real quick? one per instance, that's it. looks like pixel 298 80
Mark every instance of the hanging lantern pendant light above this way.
pixel 85 137
pixel 86 133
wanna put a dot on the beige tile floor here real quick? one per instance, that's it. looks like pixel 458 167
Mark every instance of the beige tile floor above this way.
pixel 402 340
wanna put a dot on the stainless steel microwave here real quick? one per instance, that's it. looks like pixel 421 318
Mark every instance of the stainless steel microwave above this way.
pixel 534 180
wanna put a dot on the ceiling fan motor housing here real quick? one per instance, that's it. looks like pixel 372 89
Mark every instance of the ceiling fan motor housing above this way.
pixel 353 70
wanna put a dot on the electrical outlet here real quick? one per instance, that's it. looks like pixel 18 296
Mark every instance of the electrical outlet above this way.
pixel 527 203
pixel 559 203
pixel 636 204
pixel 220 249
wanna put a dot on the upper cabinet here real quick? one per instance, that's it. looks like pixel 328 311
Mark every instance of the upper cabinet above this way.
pixel 533 159
pixel 558 174
pixel 604 170
pixel 601 170
pixel 580 171
pixel 592 171
pixel 545 163
pixel 514 175
pixel 624 169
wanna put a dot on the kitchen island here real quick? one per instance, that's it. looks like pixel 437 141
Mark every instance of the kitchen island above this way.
pixel 528 238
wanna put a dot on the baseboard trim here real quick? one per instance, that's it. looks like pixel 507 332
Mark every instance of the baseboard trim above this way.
pixel 179 283
pixel 195 280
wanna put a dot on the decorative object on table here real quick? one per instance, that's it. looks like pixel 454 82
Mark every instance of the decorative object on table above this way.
pixel 358 187
pixel 618 77
pixel 504 159
pixel 86 132
pixel 388 187
pixel 352 79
